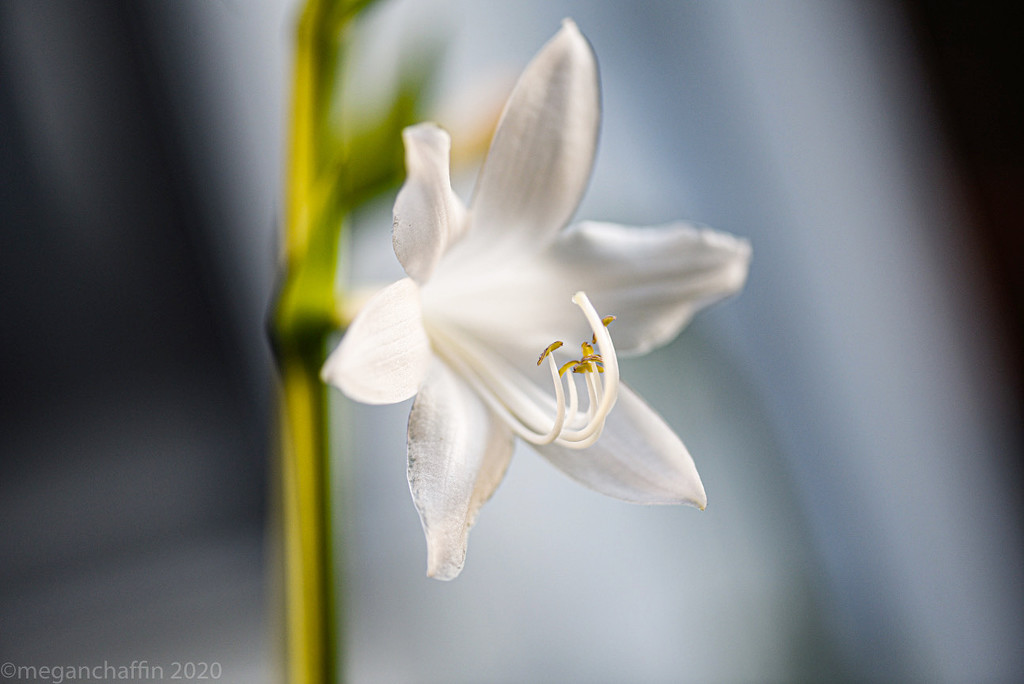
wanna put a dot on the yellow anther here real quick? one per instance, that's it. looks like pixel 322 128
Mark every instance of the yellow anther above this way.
pixel 607 320
pixel 589 364
pixel 550 348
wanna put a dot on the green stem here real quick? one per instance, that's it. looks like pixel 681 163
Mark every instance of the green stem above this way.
pixel 312 633
pixel 304 314
pixel 304 317
pixel 323 185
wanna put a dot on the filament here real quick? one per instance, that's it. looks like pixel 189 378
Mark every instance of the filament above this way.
pixel 532 414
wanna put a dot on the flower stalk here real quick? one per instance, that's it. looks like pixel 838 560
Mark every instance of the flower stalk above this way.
pixel 311 625
pixel 303 315
pixel 330 171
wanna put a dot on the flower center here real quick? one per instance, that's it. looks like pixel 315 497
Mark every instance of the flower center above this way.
pixel 523 405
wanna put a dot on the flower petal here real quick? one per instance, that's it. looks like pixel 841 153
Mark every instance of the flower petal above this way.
pixel 428 215
pixel 543 149
pixel 385 354
pixel 637 458
pixel 653 279
pixel 458 454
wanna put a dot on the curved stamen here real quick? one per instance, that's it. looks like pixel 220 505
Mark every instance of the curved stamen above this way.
pixel 595 422
pixel 502 393
pixel 556 427
pixel 520 403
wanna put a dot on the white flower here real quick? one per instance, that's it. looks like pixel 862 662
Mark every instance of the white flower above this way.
pixel 491 286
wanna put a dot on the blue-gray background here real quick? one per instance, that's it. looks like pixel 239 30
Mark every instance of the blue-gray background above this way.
pixel 854 413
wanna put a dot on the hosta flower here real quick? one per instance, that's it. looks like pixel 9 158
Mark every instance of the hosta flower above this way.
pixel 495 285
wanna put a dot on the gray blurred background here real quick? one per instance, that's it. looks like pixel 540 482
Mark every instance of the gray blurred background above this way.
pixel 855 413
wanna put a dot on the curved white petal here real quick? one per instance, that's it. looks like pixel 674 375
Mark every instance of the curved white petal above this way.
pixel 653 279
pixel 428 215
pixel 385 354
pixel 542 153
pixel 458 454
pixel 637 459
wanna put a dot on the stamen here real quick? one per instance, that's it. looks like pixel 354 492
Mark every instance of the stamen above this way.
pixel 566 366
pixel 607 320
pixel 603 395
pixel 591 364
pixel 547 350
pixel 524 406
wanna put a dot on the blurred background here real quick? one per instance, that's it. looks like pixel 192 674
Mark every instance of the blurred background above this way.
pixel 855 413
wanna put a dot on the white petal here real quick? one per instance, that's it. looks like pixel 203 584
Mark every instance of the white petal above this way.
pixel 458 454
pixel 637 458
pixel 385 353
pixel 653 279
pixel 543 149
pixel 428 215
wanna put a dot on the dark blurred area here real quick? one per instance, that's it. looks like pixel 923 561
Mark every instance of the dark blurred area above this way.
pixel 973 53
pixel 134 422
pixel 135 382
